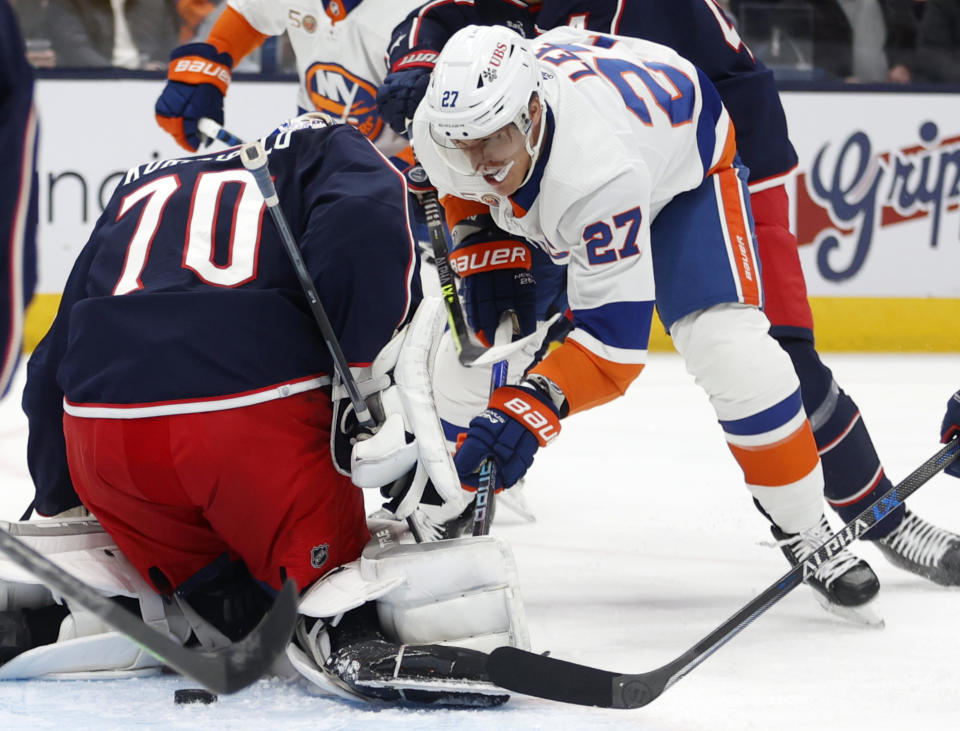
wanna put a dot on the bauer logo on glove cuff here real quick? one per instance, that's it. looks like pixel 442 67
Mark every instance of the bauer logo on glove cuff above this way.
pixel 490 256
pixel 534 415
pixel 198 70
pixel 421 59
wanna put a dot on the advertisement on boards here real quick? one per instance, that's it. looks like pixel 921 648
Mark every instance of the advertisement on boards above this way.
pixel 875 198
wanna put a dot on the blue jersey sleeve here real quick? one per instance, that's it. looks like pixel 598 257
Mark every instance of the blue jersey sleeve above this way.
pixel 699 31
pixel 18 181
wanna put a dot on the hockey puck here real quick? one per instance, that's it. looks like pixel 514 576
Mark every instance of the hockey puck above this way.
pixel 193 695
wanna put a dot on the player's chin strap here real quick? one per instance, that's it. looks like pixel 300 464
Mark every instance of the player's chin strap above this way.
pixel 534 150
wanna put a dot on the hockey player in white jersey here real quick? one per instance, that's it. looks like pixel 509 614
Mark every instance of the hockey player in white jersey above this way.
pixel 340 48
pixel 616 157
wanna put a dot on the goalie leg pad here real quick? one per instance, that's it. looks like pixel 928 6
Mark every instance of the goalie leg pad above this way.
pixel 461 592
pixel 418 621
pixel 77 644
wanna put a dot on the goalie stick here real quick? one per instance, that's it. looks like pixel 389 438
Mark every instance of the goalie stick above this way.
pixel 558 680
pixel 254 158
pixel 226 670
pixel 467 349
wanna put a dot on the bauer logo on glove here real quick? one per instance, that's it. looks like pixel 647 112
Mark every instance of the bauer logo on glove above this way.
pixel 517 422
pixel 525 410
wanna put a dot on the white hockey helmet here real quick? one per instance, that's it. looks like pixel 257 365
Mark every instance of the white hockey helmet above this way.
pixel 483 81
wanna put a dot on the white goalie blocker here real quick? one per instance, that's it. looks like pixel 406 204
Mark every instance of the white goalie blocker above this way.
pixel 429 395
pixel 398 389
pixel 86 647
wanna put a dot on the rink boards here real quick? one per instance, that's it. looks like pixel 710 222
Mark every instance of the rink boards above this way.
pixel 876 202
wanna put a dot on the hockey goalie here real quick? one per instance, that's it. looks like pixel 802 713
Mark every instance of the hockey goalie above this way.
pixel 186 397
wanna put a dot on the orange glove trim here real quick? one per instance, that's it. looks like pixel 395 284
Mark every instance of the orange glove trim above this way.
pixel 539 420
pixel 490 256
pixel 198 70
pixel 174 126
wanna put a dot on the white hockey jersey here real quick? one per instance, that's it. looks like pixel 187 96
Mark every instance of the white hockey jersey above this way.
pixel 340 47
pixel 631 124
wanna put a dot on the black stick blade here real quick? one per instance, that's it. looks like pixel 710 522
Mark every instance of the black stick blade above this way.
pixel 245 662
pixel 546 677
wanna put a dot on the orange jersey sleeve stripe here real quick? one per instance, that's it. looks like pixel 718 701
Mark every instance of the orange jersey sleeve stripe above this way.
pixel 586 379
pixel 233 34
pixel 457 209
pixel 729 152
pixel 782 463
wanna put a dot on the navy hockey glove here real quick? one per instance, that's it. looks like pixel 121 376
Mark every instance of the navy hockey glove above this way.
pixel 496 279
pixel 400 93
pixel 518 421
pixel 950 429
pixel 197 80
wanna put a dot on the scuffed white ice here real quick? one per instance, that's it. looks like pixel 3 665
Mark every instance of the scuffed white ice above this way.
pixel 645 541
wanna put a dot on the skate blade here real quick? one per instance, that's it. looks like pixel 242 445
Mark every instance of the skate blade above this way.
pixel 865 614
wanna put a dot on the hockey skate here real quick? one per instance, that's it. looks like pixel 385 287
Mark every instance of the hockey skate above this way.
pixel 923 549
pixel 357 657
pixel 844 584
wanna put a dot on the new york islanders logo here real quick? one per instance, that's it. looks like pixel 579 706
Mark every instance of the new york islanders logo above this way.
pixel 344 95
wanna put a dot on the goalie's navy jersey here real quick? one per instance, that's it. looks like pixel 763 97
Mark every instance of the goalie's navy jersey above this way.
pixel 185 292
pixel 185 300
pixel 696 29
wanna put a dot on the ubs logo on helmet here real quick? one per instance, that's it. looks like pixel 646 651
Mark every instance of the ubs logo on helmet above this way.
pixel 343 95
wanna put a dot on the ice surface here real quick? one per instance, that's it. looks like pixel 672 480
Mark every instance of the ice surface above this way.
pixel 645 541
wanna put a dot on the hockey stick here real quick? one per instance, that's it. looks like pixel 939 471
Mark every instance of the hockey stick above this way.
pixel 226 670
pixel 467 349
pixel 213 130
pixel 546 677
pixel 254 158
pixel 483 502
